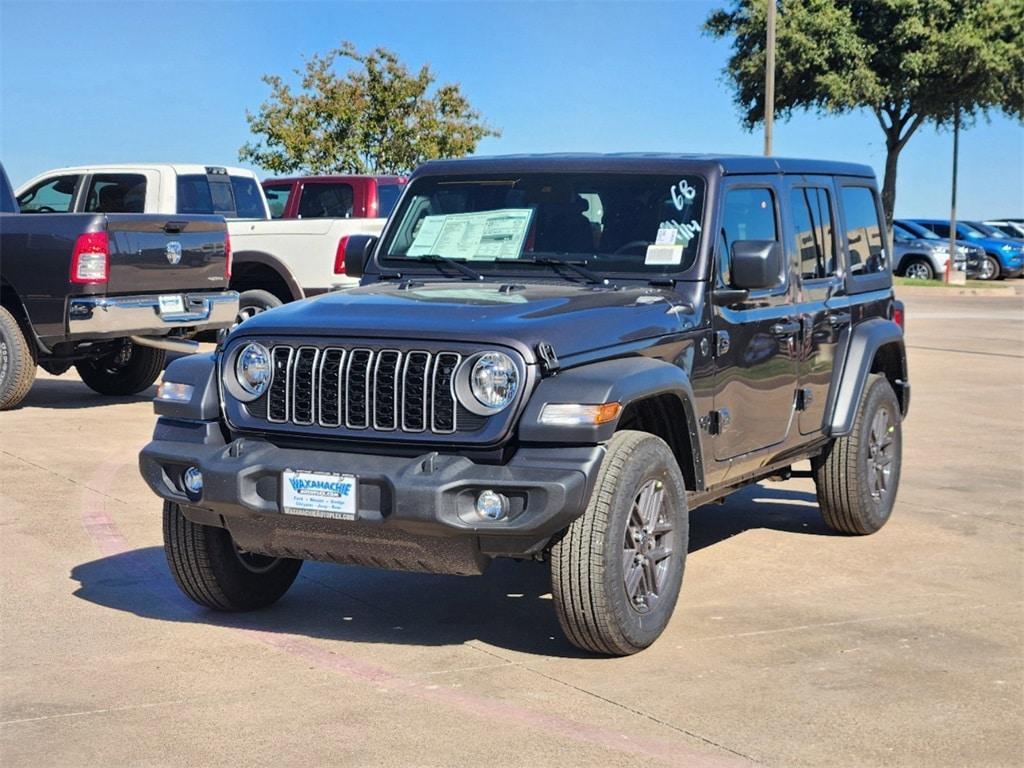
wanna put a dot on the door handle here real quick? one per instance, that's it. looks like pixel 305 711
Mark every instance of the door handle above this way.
pixel 174 227
pixel 789 328
pixel 836 319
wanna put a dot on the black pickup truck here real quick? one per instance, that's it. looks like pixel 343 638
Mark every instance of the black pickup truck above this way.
pixel 555 358
pixel 107 293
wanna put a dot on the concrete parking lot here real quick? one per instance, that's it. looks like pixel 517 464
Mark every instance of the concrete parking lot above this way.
pixel 790 647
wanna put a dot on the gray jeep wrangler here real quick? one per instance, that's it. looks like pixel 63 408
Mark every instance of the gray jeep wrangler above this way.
pixel 551 358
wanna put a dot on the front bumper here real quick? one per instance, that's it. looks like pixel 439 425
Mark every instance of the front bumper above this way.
pixel 413 513
pixel 99 316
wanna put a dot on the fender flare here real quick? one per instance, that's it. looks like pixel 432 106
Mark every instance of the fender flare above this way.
pixel 274 263
pixel 622 380
pixel 861 345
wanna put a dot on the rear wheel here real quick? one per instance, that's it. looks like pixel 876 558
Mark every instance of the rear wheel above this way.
pixel 17 363
pixel 130 369
pixel 211 569
pixel 919 269
pixel 252 303
pixel 858 476
pixel 617 571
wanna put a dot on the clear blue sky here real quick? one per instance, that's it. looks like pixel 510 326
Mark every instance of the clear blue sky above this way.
pixel 147 81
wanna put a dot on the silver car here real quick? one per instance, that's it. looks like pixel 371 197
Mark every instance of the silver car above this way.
pixel 923 255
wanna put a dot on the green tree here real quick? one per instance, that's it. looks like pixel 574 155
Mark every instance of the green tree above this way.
pixel 908 61
pixel 376 118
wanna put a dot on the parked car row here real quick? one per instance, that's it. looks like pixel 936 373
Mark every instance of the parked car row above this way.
pixel 984 250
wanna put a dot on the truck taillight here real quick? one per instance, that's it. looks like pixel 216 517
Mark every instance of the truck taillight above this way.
pixel 339 256
pixel 897 315
pixel 90 261
pixel 227 255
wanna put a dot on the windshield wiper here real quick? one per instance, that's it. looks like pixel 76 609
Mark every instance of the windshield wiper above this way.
pixel 436 258
pixel 576 266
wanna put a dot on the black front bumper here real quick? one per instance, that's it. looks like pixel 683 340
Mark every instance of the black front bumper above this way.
pixel 413 513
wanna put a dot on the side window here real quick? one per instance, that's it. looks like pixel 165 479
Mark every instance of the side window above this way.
pixel 942 230
pixel 116 193
pixel 277 199
pixel 812 215
pixel 864 237
pixel 748 214
pixel 248 202
pixel 54 195
pixel 387 196
pixel 326 201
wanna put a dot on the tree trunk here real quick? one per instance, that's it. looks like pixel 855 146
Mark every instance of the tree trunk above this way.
pixel 893 146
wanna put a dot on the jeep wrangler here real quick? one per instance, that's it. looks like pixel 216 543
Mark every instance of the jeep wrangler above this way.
pixel 551 358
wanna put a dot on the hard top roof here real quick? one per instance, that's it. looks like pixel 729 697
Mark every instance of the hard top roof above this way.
pixel 641 162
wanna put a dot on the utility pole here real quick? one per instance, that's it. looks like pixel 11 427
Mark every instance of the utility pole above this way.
pixel 769 80
pixel 952 206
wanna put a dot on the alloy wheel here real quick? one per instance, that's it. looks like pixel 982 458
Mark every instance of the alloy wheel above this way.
pixel 647 547
pixel 880 454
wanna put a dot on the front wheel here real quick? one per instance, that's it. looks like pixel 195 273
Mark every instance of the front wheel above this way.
pixel 919 269
pixel 990 269
pixel 129 370
pixel 858 474
pixel 211 569
pixel 617 571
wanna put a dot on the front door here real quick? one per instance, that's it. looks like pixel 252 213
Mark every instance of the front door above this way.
pixel 755 341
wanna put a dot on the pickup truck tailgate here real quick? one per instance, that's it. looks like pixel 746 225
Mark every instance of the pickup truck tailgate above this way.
pixel 163 254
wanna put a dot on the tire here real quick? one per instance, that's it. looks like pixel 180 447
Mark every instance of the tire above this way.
pixel 128 371
pixel 919 269
pixel 251 303
pixel 990 269
pixel 858 476
pixel 17 362
pixel 588 564
pixel 214 573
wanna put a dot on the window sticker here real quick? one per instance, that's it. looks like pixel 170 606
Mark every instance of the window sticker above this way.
pixel 664 254
pixel 675 233
pixel 682 194
pixel 486 235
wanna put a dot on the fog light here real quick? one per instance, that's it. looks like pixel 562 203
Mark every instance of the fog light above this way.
pixel 492 505
pixel 193 480
pixel 174 392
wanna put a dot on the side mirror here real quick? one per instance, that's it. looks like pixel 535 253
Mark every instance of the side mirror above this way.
pixel 756 264
pixel 357 252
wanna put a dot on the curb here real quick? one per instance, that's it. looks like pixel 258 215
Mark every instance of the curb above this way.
pixel 909 290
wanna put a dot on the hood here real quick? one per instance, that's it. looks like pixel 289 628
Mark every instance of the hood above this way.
pixel 572 318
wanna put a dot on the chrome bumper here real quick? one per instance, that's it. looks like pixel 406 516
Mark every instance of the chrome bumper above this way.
pixel 127 315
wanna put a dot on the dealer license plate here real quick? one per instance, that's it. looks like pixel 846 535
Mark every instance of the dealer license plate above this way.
pixel 318 494
pixel 172 305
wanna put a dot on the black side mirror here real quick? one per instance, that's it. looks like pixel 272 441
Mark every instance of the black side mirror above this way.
pixel 357 252
pixel 756 264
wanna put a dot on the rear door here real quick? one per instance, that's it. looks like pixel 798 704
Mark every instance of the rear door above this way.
pixel 159 254
pixel 755 341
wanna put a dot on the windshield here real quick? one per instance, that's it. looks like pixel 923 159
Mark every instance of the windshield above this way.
pixel 606 222
pixel 987 231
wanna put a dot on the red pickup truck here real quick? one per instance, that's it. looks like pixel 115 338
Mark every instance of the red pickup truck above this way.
pixel 333 197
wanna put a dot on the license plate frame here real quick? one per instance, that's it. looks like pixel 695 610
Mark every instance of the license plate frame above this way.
pixel 172 304
pixel 325 495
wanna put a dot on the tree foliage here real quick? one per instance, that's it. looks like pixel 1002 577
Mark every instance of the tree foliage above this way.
pixel 908 61
pixel 378 117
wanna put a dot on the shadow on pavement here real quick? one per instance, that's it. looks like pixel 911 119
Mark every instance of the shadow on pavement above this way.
pixel 509 606
pixel 72 393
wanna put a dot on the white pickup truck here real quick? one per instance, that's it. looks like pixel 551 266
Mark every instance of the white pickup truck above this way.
pixel 275 260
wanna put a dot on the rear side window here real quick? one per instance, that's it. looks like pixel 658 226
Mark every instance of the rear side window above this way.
pixel 326 201
pixel 749 214
pixel 277 199
pixel 942 230
pixel 812 215
pixel 387 196
pixel 116 193
pixel 54 195
pixel 863 231
pixel 248 202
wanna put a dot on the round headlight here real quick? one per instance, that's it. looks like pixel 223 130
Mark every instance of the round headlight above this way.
pixel 494 380
pixel 253 370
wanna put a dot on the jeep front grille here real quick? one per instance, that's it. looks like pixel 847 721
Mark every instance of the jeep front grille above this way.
pixel 386 390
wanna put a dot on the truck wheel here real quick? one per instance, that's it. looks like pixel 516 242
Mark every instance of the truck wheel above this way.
pixel 127 371
pixel 919 269
pixel 858 475
pixel 253 302
pixel 990 269
pixel 17 363
pixel 616 573
pixel 210 568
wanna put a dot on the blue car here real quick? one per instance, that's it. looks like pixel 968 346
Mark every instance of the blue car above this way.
pixel 1004 256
